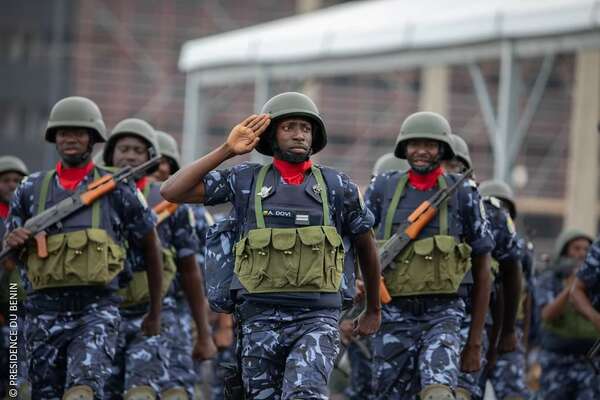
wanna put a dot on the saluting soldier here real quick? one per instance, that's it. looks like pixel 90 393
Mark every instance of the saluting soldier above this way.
pixel 289 258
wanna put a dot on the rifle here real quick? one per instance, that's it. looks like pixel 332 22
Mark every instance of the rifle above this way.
pixel 164 210
pixel 85 197
pixel 407 232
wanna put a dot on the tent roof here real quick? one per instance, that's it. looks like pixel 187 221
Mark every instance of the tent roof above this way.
pixel 370 28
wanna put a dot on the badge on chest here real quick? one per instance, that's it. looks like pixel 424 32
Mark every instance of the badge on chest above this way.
pixel 291 217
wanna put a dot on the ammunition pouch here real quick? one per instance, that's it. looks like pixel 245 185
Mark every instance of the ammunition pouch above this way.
pixel 434 265
pixel 138 291
pixel 572 325
pixel 80 258
pixel 306 259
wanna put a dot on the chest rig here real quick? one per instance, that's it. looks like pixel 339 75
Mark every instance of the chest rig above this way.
pixel 138 291
pixel 438 260
pixel 82 251
pixel 290 244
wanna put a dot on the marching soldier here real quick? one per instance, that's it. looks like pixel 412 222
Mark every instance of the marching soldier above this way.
pixel 184 302
pixel 418 348
pixel 505 256
pixel 566 335
pixel 72 315
pixel 141 360
pixel 12 172
pixel 507 371
pixel 289 257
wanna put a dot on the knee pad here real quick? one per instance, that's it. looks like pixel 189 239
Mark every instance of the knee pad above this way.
pixel 79 392
pixel 140 393
pixel 175 393
pixel 436 392
pixel 462 394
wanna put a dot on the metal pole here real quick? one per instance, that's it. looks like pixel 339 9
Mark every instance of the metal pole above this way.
pixel 194 120
pixel 262 92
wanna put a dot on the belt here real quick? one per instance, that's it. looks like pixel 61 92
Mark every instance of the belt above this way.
pixel 418 305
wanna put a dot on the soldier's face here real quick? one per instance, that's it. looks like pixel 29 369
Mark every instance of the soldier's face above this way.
pixel 422 153
pixel 130 151
pixel 577 249
pixel 8 184
pixel 164 170
pixel 294 138
pixel 72 144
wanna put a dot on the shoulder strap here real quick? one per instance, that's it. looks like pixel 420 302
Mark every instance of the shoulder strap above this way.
pixel 389 218
pixel 323 193
pixel 44 196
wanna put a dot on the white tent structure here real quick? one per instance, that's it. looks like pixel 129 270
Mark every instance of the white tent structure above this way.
pixel 386 35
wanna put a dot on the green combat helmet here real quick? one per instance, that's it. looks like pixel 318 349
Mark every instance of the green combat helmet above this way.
pixel 461 150
pixel 131 127
pixel 565 237
pixel 292 104
pixel 425 125
pixel 76 112
pixel 167 146
pixel 500 190
pixel 13 164
pixel 389 162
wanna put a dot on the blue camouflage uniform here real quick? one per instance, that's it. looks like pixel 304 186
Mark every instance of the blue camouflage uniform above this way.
pixel 508 378
pixel 289 340
pixel 178 233
pixel 71 331
pixel 419 342
pixel 566 371
pixel 506 248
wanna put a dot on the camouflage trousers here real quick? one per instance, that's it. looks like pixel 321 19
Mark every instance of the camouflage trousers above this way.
pixel 139 360
pixel 568 376
pixel 508 376
pixel 177 332
pixel 361 374
pixel 71 348
pixel 13 358
pixel 288 353
pixel 218 384
pixel 472 382
pixel 417 345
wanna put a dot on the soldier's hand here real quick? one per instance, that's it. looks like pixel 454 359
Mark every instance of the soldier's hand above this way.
pixel 17 238
pixel 346 329
pixel 507 343
pixel 223 337
pixel 360 292
pixel 204 349
pixel 151 325
pixel 491 358
pixel 470 358
pixel 244 137
pixel 367 323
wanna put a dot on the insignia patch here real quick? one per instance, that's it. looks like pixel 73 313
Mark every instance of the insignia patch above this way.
pixel 510 224
pixel 482 209
pixel 317 189
pixel 265 191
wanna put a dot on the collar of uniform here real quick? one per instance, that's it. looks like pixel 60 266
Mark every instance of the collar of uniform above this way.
pixel 426 181
pixel 292 173
pixel 3 210
pixel 142 183
pixel 69 178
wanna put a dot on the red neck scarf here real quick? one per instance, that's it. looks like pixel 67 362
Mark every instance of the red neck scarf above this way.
pixel 142 183
pixel 3 210
pixel 426 181
pixel 69 178
pixel 292 173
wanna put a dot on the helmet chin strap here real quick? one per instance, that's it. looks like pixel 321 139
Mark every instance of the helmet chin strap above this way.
pixel 81 158
pixel 434 164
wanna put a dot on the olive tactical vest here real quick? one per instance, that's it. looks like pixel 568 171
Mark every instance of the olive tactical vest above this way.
pixel 438 260
pixel 138 291
pixel 289 244
pixel 83 252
